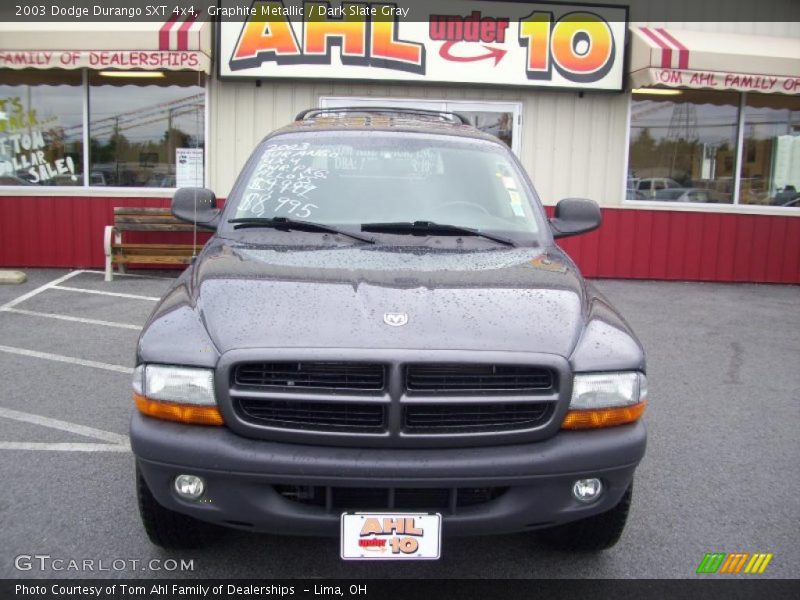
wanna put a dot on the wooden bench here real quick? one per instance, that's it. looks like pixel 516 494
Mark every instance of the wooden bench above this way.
pixel 144 219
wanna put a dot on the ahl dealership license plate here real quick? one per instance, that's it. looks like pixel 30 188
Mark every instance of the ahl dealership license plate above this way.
pixel 391 536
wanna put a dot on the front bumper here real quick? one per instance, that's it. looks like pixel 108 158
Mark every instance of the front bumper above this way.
pixel 241 472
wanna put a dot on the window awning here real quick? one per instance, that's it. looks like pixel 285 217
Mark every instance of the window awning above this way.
pixel 723 61
pixel 175 45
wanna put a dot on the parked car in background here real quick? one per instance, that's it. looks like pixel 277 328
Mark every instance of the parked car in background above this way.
pixel 788 196
pixel 634 194
pixel 631 193
pixel 651 185
pixel 689 195
pixel 13 180
pixel 97 178
pixel 161 180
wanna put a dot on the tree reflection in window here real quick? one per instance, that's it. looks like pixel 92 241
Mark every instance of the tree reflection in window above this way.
pixel 682 144
pixel 137 127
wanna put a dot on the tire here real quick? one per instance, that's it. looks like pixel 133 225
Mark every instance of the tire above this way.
pixel 593 534
pixel 167 528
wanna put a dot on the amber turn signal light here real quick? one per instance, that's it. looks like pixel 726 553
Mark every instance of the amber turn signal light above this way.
pixel 603 417
pixel 183 413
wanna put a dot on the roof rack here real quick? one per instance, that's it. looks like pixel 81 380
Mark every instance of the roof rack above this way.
pixel 439 114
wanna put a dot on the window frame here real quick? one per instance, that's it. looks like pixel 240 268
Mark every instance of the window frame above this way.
pixel 68 190
pixel 734 207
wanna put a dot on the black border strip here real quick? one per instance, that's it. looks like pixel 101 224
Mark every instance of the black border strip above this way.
pixel 732 588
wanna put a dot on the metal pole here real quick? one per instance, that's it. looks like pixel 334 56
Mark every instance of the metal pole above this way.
pixel 116 143
pixel 169 140
pixel 87 179
pixel 737 163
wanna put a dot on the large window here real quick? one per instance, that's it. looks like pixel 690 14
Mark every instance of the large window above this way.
pixel 41 128
pixel 138 128
pixel 771 151
pixel 145 129
pixel 684 147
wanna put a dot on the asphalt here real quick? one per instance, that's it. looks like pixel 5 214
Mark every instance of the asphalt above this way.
pixel 720 472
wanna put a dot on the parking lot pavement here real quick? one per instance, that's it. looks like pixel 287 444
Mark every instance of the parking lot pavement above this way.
pixel 720 472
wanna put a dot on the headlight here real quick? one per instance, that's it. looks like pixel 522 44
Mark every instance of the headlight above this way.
pixel 180 384
pixel 607 390
pixel 176 394
pixel 606 399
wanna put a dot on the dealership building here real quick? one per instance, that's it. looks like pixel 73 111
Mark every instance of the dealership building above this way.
pixel 686 133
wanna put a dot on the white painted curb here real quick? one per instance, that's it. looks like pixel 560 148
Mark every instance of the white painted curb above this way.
pixel 12 277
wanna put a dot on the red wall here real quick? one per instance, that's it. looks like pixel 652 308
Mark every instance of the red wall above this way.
pixel 693 246
pixel 67 231
pixel 45 231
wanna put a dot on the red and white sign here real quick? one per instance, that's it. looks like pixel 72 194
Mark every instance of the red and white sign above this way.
pixel 182 42
pixel 539 44
pixel 161 60
pixel 706 60
pixel 718 80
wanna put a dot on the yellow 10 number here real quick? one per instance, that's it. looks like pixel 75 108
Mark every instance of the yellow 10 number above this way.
pixel 579 44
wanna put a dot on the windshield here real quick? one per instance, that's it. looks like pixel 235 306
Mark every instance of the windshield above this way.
pixel 349 179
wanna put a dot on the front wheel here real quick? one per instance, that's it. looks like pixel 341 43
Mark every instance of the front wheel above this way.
pixel 167 528
pixel 593 534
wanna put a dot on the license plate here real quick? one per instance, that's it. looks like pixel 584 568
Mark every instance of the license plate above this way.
pixel 391 536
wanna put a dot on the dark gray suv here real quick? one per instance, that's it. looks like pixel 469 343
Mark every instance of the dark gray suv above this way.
pixel 383 342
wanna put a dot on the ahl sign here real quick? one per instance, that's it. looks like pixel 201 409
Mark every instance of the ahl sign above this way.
pixel 460 41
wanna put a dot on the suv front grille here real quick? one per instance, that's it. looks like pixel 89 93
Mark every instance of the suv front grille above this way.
pixel 345 498
pixel 319 376
pixel 354 417
pixel 474 418
pixel 477 378
pixel 388 403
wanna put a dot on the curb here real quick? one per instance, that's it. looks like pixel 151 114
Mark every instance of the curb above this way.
pixel 12 277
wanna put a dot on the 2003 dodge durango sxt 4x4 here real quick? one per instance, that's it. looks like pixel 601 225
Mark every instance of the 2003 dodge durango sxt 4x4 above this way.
pixel 382 342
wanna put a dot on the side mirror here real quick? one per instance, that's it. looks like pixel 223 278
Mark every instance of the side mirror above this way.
pixel 575 215
pixel 196 205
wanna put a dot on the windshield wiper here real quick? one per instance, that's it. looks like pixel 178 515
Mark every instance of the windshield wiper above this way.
pixel 286 224
pixel 431 228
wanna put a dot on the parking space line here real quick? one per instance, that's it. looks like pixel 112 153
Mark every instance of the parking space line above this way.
pixel 128 275
pixel 38 290
pixel 99 434
pixel 102 293
pixel 33 313
pixel 64 447
pixel 66 359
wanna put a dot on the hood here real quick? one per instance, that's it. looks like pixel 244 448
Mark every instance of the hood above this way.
pixel 512 299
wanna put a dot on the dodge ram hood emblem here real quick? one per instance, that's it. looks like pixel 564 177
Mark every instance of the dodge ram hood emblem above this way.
pixel 395 319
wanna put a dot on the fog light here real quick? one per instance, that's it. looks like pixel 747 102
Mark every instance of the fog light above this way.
pixel 587 490
pixel 190 487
